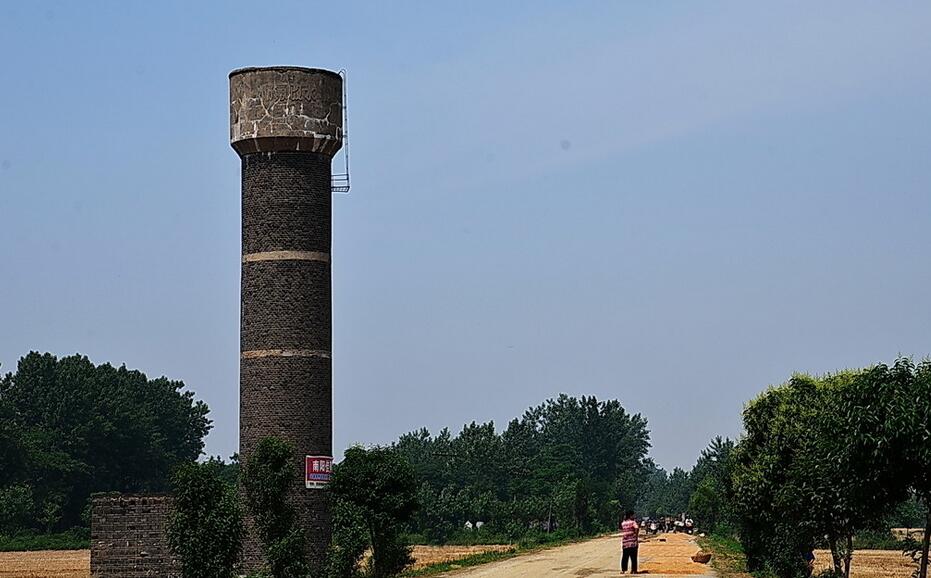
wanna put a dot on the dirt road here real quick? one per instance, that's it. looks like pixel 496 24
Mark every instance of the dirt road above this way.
pixel 595 558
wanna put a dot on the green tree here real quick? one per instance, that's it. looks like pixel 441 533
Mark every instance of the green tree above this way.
pixel 380 485
pixel 766 494
pixel 891 407
pixel 918 455
pixel 205 531
pixel 69 428
pixel 17 508
pixel 574 461
pixel 710 503
pixel 350 540
pixel 820 458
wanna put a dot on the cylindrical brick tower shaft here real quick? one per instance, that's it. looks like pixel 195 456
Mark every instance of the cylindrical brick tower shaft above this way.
pixel 286 123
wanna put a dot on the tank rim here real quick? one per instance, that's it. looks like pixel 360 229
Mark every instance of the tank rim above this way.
pixel 248 69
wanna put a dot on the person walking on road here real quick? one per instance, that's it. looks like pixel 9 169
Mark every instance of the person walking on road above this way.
pixel 630 541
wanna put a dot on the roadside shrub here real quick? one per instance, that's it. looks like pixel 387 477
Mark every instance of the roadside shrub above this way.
pixel 205 530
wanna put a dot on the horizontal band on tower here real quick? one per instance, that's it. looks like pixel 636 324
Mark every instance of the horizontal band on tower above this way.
pixel 257 353
pixel 286 256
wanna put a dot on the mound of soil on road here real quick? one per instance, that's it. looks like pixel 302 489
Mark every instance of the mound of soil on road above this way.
pixel 674 556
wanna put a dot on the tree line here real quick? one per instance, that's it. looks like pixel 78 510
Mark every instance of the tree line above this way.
pixel 822 461
pixel 69 428
pixel 567 465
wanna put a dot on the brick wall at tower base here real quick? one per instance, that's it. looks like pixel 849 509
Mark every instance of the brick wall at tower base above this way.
pixel 129 537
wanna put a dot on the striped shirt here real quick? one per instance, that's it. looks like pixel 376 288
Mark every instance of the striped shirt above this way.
pixel 629 531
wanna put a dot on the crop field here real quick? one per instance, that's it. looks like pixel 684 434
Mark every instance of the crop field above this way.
pixel 871 564
pixel 427 555
pixel 45 564
pixel 76 563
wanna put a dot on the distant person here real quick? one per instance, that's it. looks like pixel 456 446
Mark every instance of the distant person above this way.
pixel 653 527
pixel 630 541
pixel 808 555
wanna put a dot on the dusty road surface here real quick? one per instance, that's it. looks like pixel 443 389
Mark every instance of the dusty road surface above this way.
pixel 665 555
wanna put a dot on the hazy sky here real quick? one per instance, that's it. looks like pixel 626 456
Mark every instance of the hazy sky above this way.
pixel 671 204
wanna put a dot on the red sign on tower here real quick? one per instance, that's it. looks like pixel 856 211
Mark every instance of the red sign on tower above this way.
pixel 317 471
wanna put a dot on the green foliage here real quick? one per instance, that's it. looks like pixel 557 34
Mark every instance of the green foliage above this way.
pixel 206 530
pixel 878 540
pixel 666 494
pixel 266 477
pixel 918 452
pixel 17 508
pixel 831 456
pixel 375 488
pixel 711 501
pixel 786 480
pixel 911 513
pixel 350 540
pixel 74 539
pixel 570 463
pixel 229 471
pixel 728 558
pixel 69 428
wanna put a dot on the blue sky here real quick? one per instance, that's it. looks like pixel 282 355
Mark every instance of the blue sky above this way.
pixel 671 204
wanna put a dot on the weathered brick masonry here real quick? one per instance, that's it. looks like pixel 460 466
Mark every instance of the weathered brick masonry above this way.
pixel 286 124
pixel 128 538
pixel 286 307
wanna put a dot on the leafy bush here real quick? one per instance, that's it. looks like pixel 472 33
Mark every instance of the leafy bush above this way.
pixel 878 540
pixel 265 477
pixel 350 540
pixel 205 531
pixel 377 488
pixel 17 508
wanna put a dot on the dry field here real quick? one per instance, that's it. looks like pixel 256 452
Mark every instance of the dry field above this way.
pixel 902 533
pixel 45 564
pixel 427 555
pixel 871 564
pixel 76 563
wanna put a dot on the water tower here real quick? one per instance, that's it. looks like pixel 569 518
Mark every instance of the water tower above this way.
pixel 286 124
